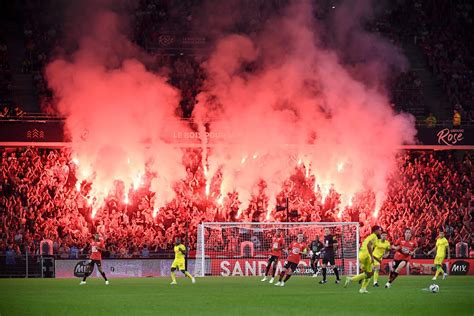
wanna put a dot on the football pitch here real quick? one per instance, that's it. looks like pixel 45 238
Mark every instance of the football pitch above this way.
pixel 233 296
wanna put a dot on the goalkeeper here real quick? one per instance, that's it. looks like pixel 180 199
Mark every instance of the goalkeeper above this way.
pixel 316 246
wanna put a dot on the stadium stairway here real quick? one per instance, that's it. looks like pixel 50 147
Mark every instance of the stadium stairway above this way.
pixel 434 98
pixel 24 91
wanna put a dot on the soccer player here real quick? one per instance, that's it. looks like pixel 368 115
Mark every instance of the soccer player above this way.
pixel 381 250
pixel 366 259
pixel 296 248
pixel 179 261
pixel 97 246
pixel 316 246
pixel 328 256
pixel 442 248
pixel 405 248
pixel 278 243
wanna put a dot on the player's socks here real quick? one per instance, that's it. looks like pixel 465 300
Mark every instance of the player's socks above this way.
pixel 336 272
pixel 103 275
pixel 376 277
pixel 393 276
pixel 358 277
pixel 84 278
pixel 267 270
pixel 324 274
pixel 438 271
pixel 173 276
pixel 365 283
pixel 281 276
pixel 188 275
pixel 274 271
pixel 287 277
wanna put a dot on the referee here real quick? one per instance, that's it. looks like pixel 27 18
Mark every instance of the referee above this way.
pixel 328 256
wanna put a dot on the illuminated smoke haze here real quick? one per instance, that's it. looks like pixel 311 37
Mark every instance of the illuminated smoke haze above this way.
pixel 299 104
pixel 118 114
pixel 281 98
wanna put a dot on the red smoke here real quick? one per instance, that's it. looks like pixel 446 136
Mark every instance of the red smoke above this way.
pixel 118 113
pixel 300 103
pixel 280 97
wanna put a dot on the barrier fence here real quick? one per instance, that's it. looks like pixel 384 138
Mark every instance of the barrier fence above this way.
pixel 30 266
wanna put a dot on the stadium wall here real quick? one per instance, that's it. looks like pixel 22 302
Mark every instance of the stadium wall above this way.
pixel 52 133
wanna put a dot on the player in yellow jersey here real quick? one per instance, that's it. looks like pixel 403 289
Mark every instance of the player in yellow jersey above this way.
pixel 366 259
pixel 179 261
pixel 442 248
pixel 381 250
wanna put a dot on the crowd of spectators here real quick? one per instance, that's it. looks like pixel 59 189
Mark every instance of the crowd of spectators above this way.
pixel 441 30
pixel 39 199
pixel 449 49
pixel 6 83
pixel 168 30
pixel 407 94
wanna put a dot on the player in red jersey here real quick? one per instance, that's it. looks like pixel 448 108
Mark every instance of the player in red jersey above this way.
pixel 97 246
pixel 278 243
pixel 296 248
pixel 404 249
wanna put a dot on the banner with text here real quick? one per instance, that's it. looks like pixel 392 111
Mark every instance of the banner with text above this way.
pixel 121 268
pixel 427 267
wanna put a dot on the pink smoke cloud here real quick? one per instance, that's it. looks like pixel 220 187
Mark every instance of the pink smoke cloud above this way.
pixel 118 113
pixel 300 102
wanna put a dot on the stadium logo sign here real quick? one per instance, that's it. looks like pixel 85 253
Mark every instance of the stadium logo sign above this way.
pixel 460 268
pixel 82 268
pixel 450 137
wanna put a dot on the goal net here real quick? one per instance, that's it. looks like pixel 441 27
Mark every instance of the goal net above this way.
pixel 242 249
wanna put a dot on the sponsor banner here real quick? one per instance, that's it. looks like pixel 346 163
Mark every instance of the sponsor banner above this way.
pixel 169 41
pixel 123 268
pixel 82 268
pixel 53 131
pixel 32 131
pixel 445 136
pixel 118 268
pixel 257 267
pixel 427 267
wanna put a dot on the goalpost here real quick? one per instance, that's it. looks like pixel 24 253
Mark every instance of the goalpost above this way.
pixel 242 249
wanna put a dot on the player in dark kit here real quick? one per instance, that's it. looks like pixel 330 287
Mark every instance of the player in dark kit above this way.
pixel 328 255
pixel 315 247
pixel 278 243
pixel 97 246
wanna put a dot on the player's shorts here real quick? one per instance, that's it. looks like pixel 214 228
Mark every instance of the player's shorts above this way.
pixel 328 257
pixel 96 262
pixel 315 257
pixel 439 260
pixel 397 263
pixel 272 259
pixel 178 264
pixel 365 263
pixel 377 263
pixel 291 265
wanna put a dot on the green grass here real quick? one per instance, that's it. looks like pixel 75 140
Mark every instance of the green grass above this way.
pixel 232 296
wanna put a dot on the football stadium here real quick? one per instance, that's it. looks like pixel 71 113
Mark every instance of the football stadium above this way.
pixel 193 157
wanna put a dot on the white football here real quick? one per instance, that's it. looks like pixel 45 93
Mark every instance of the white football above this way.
pixel 434 288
